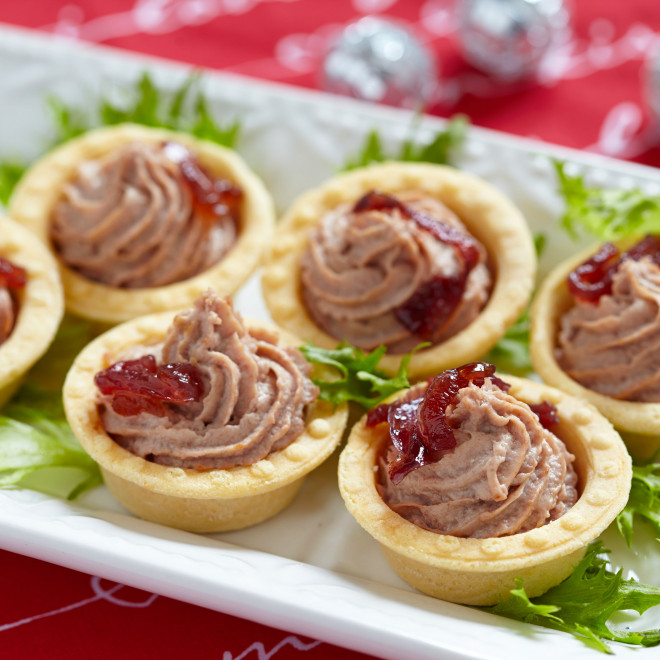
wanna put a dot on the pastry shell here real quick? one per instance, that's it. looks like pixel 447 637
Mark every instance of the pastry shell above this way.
pixel 482 571
pixel 41 305
pixel 38 191
pixel 488 215
pixel 199 501
pixel 638 422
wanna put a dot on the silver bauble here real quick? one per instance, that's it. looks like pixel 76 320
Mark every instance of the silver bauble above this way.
pixel 378 60
pixel 508 38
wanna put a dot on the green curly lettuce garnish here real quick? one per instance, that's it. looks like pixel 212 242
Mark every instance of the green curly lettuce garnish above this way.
pixel 584 602
pixel 644 500
pixel 68 122
pixel 186 110
pixel 10 174
pixel 438 150
pixel 358 378
pixel 540 240
pixel 607 214
pixel 511 353
pixel 38 449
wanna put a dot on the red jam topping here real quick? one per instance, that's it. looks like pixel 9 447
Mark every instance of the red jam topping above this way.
pixel 418 426
pixel 546 412
pixel 11 276
pixel 212 198
pixel 143 386
pixel 375 200
pixel 593 279
pixel 431 307
pixel 419 429
pixel 378 415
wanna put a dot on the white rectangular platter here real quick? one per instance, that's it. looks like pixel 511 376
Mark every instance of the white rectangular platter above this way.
pixel 311 570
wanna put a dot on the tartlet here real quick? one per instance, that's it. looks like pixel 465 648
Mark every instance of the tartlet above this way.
pixel 481 571
pixel 638 422
pixel 488 216
pixel 201 501
pixel 40 189
pixel 40 305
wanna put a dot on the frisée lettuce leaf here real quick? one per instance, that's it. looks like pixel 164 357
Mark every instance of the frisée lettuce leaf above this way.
pixel 606 213
pixel 35 437
pixel 644 501
pixel 354 374
pixel 511 353
pixel 438 150
pixel 37 447
pixel 10 174
pixel 584 602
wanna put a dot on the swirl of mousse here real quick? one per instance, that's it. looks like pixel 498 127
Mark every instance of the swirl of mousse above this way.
pixel 609 341
pixel 253 402
pixel 494 470
pixel 394 271
pixel 12 280
pixel 137 217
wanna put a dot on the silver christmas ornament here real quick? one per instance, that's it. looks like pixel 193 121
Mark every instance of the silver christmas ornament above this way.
pixel 508 38
pixel 378 60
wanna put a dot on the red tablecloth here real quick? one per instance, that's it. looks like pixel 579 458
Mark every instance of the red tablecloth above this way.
pixel 591 97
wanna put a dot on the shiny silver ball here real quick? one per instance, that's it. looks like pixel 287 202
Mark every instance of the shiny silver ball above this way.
pixel 377 60
pixel 508 38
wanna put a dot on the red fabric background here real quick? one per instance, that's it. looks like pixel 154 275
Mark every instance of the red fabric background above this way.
pixel 597 103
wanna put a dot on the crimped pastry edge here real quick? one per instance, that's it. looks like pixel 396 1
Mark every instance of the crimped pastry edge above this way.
pixel 33 199
pixel 481 571
pixel 181 497
pixel 487 214
pixel 638 422
pixel 41 305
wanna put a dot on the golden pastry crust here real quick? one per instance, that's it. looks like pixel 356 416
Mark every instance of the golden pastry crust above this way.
pixel 210 501
pixel 41 305
pixel 480 571
pixel 488 215
pixel 40 188
pixel 638 422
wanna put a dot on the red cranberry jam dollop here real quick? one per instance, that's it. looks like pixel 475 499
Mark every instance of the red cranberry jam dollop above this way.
pixel 593 279
pixel 12 279
pixel 142 385
pixel 11 276
pixel 212 198
pixel 419 429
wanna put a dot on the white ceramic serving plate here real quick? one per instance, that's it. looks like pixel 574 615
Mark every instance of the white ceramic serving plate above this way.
pixel 311 570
